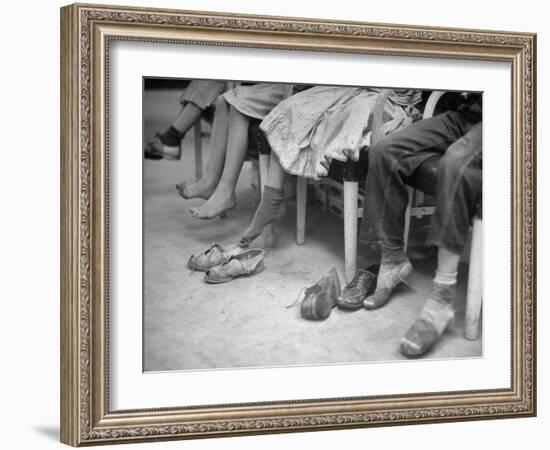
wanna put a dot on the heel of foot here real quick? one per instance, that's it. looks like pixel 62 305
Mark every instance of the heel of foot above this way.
pixel 405 272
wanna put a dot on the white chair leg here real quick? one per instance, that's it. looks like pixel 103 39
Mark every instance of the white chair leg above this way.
pixel 475 284
pixel 407 225
pixel 301 207
pixel 267 234
pixel 351 192
pixel 197 137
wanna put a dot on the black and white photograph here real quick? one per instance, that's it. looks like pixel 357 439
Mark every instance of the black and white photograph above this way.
pixel 295 224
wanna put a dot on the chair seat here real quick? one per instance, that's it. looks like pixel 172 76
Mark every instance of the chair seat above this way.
pixel 349 170
pixel 257 142
pixel 425 177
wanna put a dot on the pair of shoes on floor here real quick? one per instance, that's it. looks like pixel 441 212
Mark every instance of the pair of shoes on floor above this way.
pixel 323 296
pixel 221 266
pixel 358 289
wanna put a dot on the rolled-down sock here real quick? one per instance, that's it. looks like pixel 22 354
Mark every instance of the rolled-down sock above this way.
pixel 437 313
pixel 271 208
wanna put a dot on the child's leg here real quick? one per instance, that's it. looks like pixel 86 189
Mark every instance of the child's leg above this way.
pixel 167 143
pixel 271 207
pixel 188 115
pixel 198 96
pixel 216 157
pixel 438 310
pixel 224 197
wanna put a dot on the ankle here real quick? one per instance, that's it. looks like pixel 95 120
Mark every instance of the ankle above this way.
pixel 393 254
pixel 445 278
pixel 171 137
pixel 444 294
pixel 224 189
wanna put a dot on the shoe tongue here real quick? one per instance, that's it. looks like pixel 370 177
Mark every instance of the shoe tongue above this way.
pixel 315 289
pixel 359 276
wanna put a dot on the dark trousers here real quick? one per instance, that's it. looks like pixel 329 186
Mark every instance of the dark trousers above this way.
pixel 393 159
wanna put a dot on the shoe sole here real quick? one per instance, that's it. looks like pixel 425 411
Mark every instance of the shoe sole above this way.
pixel 227 280
pixel 404 276
pixel 349 306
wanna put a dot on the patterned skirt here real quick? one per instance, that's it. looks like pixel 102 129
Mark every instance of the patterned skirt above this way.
pixel 309 129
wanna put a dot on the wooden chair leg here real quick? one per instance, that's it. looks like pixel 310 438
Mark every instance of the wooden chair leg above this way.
pixel 351 191
pixel 197 137
pixel 407 225
pixel 267 234
pixel 475 283
pixel 301 207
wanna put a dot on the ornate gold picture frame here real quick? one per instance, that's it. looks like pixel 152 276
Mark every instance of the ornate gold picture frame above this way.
pixel 87 31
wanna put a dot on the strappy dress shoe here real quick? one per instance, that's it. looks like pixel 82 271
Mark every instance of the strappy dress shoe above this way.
pixel 356 291
pixel 320 298
pixel 211 257
pixel 246 263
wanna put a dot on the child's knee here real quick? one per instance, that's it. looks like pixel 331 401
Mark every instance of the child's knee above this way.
pixel 220 102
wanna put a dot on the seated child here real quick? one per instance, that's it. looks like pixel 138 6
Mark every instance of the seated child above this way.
pixel 456 137
pixel 311 128
pixel 229 142
pixel 197 97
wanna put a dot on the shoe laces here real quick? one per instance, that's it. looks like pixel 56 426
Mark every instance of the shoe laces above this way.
pixel 359 276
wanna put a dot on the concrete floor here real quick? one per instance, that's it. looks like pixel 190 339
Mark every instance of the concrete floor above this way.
pixel 245 323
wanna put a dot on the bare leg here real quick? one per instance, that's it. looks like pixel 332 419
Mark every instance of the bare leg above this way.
pixel 447 261
pixel 167 144
pixel 216 157
pixel 188 115
pixel 271 207
pixel 224 197
pixel 276 175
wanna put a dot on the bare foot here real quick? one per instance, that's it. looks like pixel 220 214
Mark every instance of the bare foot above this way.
pixel 201 189
pixel 217 204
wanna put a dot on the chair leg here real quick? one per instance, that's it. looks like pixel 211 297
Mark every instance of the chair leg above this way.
pixel 475 284
pixel 301 207
pixel 351 191
pixel 268 235
pixel 197 137
pixel 407 225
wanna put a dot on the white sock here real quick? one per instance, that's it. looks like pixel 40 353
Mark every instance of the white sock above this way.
pixel 447 278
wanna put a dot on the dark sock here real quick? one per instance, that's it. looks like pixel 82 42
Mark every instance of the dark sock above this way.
pixel 271 208
pixel 171 137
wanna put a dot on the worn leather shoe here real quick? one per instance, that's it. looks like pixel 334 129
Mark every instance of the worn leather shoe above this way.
pixel 211 257
pixel 246 263
pixel 362 285
pixel 320 298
